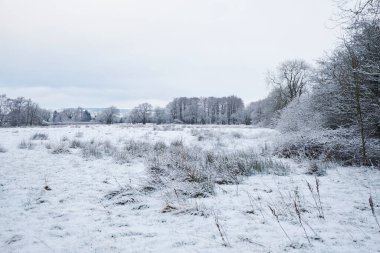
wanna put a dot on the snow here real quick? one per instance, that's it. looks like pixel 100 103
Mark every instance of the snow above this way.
pixel 96 205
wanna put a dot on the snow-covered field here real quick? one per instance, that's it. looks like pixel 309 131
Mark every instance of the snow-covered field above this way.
pixel 57 199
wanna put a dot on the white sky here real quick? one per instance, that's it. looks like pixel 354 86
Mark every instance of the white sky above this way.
pixel 94 53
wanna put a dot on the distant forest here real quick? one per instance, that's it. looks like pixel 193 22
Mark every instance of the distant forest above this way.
pixel 211 110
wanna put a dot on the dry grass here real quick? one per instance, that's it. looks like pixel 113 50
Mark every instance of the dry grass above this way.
pixel 26 145
pixel 222 232
pixel 372 205
pixel 39 136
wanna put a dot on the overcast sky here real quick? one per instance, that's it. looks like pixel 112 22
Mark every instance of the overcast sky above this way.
pixel 96 53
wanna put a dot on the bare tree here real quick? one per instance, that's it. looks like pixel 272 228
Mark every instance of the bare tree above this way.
pixel 353 13
pixel 289 80
pixel 141 113
pixel 108 115
pixel 160 115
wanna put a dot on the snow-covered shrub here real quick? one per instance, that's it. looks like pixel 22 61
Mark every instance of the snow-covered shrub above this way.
pixel 340 145
pixel 39 136
pixel 317 168
pixel 26 145
pixel 177 143
pixel 306 135
pixel 97 149
pixel 180 166
pixel 60 148
pixel 108 148
pixel 232 167
pixel 136 149
pixel 122 157
pixel 75 144
pixel 274 166
pixel 160 146
pixel 92 149
pixel 299 115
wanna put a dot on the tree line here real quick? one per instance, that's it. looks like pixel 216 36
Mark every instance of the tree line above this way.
pixel 182 110
pixel 194 110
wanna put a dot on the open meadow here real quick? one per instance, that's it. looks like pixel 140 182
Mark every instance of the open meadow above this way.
pixel 177 188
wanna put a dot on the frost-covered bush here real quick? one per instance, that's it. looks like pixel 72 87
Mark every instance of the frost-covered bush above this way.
pixel 135 148
pixel 108 148
pixel 299 115
pixel 39 136
pixel 122 157
pixel 180 167
pixel 131 149
pixel 317 168
pixel 340 145
pixel 306 135
pixel 177 143
pixel 97 149
pixel 160 146
pixel 60 148
pixel 75 144
pixel 92 149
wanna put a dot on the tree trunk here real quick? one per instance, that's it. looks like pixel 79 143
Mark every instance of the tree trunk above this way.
pixel 359 113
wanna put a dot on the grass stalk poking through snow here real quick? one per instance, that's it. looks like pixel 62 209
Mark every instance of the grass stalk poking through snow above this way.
pixel 222 233
pixel 278 221
pixel 316 197
pixel 298 212
pixel 371 204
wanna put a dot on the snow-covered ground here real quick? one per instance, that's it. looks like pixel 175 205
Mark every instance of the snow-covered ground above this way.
pixel 68 203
